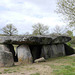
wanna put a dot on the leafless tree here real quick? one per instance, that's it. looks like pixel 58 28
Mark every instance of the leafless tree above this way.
pixel 40 29
pixel 9 30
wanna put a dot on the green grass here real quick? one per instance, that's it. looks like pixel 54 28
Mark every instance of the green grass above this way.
pixel 36 74
pixel 11 69
pixel 7 71
pixel 0 72
pixel 64 70
pixel 68 67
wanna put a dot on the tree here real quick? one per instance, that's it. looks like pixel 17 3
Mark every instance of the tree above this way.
pixel 40 29
pixel 59 30
pixel 9 30
pixel 27 33
pixel 70 33
pixel 67 8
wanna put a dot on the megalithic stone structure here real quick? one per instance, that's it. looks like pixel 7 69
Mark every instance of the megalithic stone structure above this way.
pixel 31 48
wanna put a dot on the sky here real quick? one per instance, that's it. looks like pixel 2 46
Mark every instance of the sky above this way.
pixel 25 13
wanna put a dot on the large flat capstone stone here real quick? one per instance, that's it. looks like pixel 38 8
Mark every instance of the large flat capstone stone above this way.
pixel 33 40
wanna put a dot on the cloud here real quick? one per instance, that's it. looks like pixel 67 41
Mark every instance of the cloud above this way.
pixel 24 13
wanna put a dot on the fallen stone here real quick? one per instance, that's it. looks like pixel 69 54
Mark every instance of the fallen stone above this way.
pixel 72 55
pixel 40 60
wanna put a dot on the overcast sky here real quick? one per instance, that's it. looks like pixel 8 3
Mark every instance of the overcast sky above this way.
pixel 25 13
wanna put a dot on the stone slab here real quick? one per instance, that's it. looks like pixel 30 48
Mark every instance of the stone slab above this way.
pixel 33 40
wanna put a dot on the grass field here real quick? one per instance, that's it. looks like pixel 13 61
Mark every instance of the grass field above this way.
pixel 53 66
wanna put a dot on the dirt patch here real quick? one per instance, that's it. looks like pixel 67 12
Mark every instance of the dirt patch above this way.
pixel 49 67
pixel 27 69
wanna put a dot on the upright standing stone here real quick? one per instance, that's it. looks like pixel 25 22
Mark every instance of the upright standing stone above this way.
pixel 53 51
pixel 57 50
pixel 24 54
pixel 6 57
pixel 46 51
pixel 9 48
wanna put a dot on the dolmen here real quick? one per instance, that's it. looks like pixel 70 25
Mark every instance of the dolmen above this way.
pixel 30 48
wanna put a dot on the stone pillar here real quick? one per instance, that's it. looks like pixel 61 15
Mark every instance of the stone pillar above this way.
pixel 9 48
pixel 49 51
pixel 6 57
pixel 57 50
pixel 46 51
pixel 24 54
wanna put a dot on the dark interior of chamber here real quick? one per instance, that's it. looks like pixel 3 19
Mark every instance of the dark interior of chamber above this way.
pixel 35 51
pixel 12 50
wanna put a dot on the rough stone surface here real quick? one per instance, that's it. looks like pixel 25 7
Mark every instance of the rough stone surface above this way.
pixel 69 50
pixel 9 48
pixel 25 39
pixel 46 51
pixel 6 59
pixel 60 39
pixel 24 54
pixel 49 51
pixel 57 50
pixel 4 47
pixel 33 40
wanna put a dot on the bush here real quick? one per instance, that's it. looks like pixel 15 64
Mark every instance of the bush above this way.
pixel 68 43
